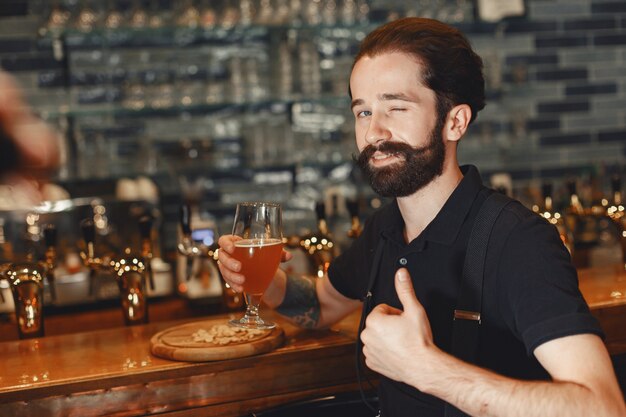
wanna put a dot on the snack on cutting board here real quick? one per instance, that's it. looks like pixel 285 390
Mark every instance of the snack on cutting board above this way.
pixel 224 334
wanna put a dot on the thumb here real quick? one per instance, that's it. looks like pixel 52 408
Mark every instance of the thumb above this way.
pixel 405 291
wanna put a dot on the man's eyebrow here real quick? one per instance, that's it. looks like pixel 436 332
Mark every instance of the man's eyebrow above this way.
pixel 385 97
pixel 395 96
pixel 356 102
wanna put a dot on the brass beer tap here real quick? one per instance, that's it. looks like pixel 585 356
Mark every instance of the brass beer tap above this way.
pixel 145 230
pixel 319 246
pixel 617 213
pixel 355 223
pixel 129 270
pixel 192 250
pixel 26 283
pixel 50 239
pixel 547 211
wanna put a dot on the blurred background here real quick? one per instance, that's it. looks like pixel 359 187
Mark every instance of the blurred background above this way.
pixel 205 103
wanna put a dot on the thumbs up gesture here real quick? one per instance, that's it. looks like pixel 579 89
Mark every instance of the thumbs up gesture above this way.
pixel 394 341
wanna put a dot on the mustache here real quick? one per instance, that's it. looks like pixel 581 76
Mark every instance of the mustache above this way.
pixel 408 151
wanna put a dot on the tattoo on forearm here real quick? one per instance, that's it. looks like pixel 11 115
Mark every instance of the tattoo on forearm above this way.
pixel 300 303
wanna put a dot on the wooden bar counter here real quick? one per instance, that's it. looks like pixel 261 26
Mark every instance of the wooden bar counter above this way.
pixel 604 289
pixel 112 372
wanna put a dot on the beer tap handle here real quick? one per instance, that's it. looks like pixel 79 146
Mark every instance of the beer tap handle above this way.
pixel 50 235
pixel 50 240
pixel 546 189
pixel 88 230
pixel 145 227
pixel 571 186
pixel 2 299
pixel 185 225
pixel 353 209
pixel 616 189
pixel 145 230
pixel 616 183
pixel 320 210
pixel 185 219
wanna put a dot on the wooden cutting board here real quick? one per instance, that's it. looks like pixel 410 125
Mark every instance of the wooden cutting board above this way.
pixel 213 340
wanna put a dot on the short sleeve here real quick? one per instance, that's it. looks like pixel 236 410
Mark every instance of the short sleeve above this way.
pixel 349 272
pixel 538 286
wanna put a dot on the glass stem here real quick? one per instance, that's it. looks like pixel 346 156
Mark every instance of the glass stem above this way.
pixel 252 307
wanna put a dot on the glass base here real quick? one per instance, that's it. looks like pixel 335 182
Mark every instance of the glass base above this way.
pixel 254 324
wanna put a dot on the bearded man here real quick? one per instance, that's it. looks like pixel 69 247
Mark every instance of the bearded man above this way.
pixel 416 85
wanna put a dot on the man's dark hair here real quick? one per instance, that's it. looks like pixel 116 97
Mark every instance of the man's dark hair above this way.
pixel 451 68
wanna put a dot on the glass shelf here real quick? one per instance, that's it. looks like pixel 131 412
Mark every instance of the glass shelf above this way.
pixel 171 36
pixel 119 110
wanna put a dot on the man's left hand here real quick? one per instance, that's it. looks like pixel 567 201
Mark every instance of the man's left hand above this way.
pixel 393 339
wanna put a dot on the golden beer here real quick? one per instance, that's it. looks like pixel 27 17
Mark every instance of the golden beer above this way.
pixel 259 261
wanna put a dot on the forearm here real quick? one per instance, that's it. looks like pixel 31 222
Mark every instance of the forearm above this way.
pixel 295 298
pixel 275 293
pixel 482 393
pixel 309 302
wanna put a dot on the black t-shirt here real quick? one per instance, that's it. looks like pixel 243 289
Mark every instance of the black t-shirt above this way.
pixel 530 294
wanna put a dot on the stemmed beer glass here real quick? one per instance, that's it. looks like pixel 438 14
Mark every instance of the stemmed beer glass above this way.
pixel 259 247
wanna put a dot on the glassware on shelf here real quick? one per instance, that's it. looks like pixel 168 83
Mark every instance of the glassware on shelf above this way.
pixel 114 18
pixel 259 249
pixel 237 80
pixel 313 12
pixel 208 15
pixel 265 14
pixel 329 12
pixel 309 69
pixel 247 12
pixel 189 15
pixel 363 11
pixel 139 17
pixel 57 19
pixel 230 15
pixel 88 17
pixel 190 81
pixel 295 12
pixel 282 13
pixel 256 76
pixel 156 16
pixel 134 93
pixel 348 12
pixel 284 76
pixel 217 79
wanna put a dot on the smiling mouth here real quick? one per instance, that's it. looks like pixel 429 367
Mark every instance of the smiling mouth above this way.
pixel 385 156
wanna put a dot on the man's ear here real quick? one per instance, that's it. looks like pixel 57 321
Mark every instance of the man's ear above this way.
pixel 457 122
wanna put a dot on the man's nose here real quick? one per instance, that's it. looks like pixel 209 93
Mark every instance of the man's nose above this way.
pixel 377 130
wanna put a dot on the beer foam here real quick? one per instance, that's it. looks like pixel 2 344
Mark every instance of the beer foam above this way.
pixel 255 243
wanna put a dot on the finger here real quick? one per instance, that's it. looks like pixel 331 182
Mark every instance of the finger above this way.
pixel 384 309
pixel 233 279
pixel 406 293
pixel 235 287
pixel 226 243
pixel 285 256
pixel 227 261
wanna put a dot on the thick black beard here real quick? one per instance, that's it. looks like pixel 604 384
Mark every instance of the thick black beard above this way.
pixel 419 168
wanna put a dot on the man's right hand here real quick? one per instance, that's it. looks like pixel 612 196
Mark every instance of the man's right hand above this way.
pixel 230 267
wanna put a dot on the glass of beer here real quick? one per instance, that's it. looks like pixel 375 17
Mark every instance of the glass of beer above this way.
pixel 259 249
